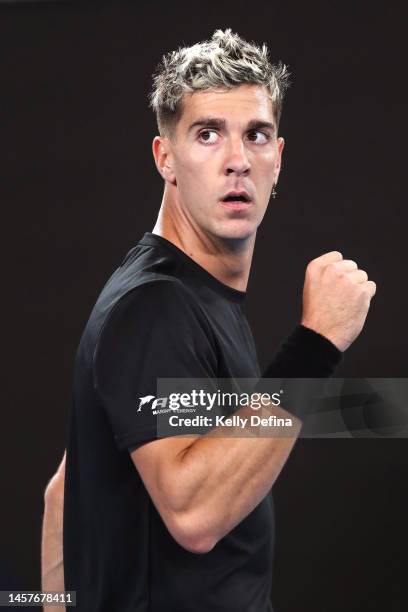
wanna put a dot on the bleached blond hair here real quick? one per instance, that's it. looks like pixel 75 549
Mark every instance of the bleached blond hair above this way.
pixel 226 60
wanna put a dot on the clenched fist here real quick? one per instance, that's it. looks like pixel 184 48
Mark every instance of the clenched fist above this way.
pixel 336 298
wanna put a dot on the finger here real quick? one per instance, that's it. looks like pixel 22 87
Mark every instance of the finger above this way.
pixel 345 265
pixel 328 258
pixel 358 276
pixel 372 288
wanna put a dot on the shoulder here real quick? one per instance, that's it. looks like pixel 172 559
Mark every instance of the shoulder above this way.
pixel 159 304
pixel 157 295
pixel 158 327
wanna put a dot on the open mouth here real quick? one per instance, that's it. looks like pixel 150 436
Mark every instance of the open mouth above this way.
pixel 236 200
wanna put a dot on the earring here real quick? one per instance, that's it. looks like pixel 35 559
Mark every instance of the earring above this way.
pixel 274 192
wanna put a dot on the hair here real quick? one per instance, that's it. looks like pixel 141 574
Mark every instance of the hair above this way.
pixel 227 60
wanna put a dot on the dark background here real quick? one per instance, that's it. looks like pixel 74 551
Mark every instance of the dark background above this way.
pixel 79 188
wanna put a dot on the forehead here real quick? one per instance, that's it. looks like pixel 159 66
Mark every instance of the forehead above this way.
pixel 244 102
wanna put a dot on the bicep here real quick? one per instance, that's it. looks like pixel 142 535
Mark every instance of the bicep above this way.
pixel 159 465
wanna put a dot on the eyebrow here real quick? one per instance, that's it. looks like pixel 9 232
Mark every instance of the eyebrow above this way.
pixel 217 122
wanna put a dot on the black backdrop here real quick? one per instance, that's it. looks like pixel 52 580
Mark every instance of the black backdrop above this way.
pixel 79 188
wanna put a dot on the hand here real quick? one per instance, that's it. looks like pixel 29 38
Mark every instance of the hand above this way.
pixel 336 298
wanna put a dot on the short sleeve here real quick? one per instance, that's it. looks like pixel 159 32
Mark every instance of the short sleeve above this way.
pixel 156 330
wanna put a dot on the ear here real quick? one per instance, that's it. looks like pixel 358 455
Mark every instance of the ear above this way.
pixel 162 156
pixel 280 144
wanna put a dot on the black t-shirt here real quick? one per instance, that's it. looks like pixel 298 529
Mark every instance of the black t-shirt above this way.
pixel 160 315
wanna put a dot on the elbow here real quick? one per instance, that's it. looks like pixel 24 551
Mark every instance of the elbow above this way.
pixel 187 523
pixel 198 545
pixel 192 535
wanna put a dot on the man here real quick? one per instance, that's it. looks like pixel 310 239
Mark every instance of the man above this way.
pixel 185 524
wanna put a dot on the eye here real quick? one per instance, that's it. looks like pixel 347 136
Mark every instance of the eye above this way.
pixel 204 133
pixel 265 136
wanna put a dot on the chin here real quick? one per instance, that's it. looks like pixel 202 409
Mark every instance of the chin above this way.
pixel 241 231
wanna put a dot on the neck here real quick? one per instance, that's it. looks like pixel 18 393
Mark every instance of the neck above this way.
pixel 228 260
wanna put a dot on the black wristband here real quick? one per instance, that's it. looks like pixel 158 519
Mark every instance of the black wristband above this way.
pixel 304 354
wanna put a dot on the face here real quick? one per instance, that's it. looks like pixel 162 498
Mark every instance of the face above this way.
pixel 225 141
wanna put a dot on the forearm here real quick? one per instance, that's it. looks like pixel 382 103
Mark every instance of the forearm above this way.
pixel 52 568
pixel 52 546
pixel 220 480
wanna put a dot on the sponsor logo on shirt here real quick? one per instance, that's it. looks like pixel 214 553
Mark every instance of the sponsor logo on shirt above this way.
pixel 190 402
pixel 161 405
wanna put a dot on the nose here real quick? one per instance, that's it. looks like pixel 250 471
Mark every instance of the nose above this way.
pixel 236 160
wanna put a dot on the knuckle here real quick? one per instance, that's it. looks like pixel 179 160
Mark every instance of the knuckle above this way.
pixel 348 264
pixel 336 269
pixel 312 266
pixel 369 289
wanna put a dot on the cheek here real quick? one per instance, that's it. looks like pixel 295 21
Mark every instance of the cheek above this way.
pixel 200 174
pixel 265 172
pixel 269 159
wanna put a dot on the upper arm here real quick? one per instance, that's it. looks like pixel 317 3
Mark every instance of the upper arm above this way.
pixel 156 331
pixel 159 464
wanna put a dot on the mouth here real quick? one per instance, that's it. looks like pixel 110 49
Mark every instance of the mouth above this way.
pixel 236 200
